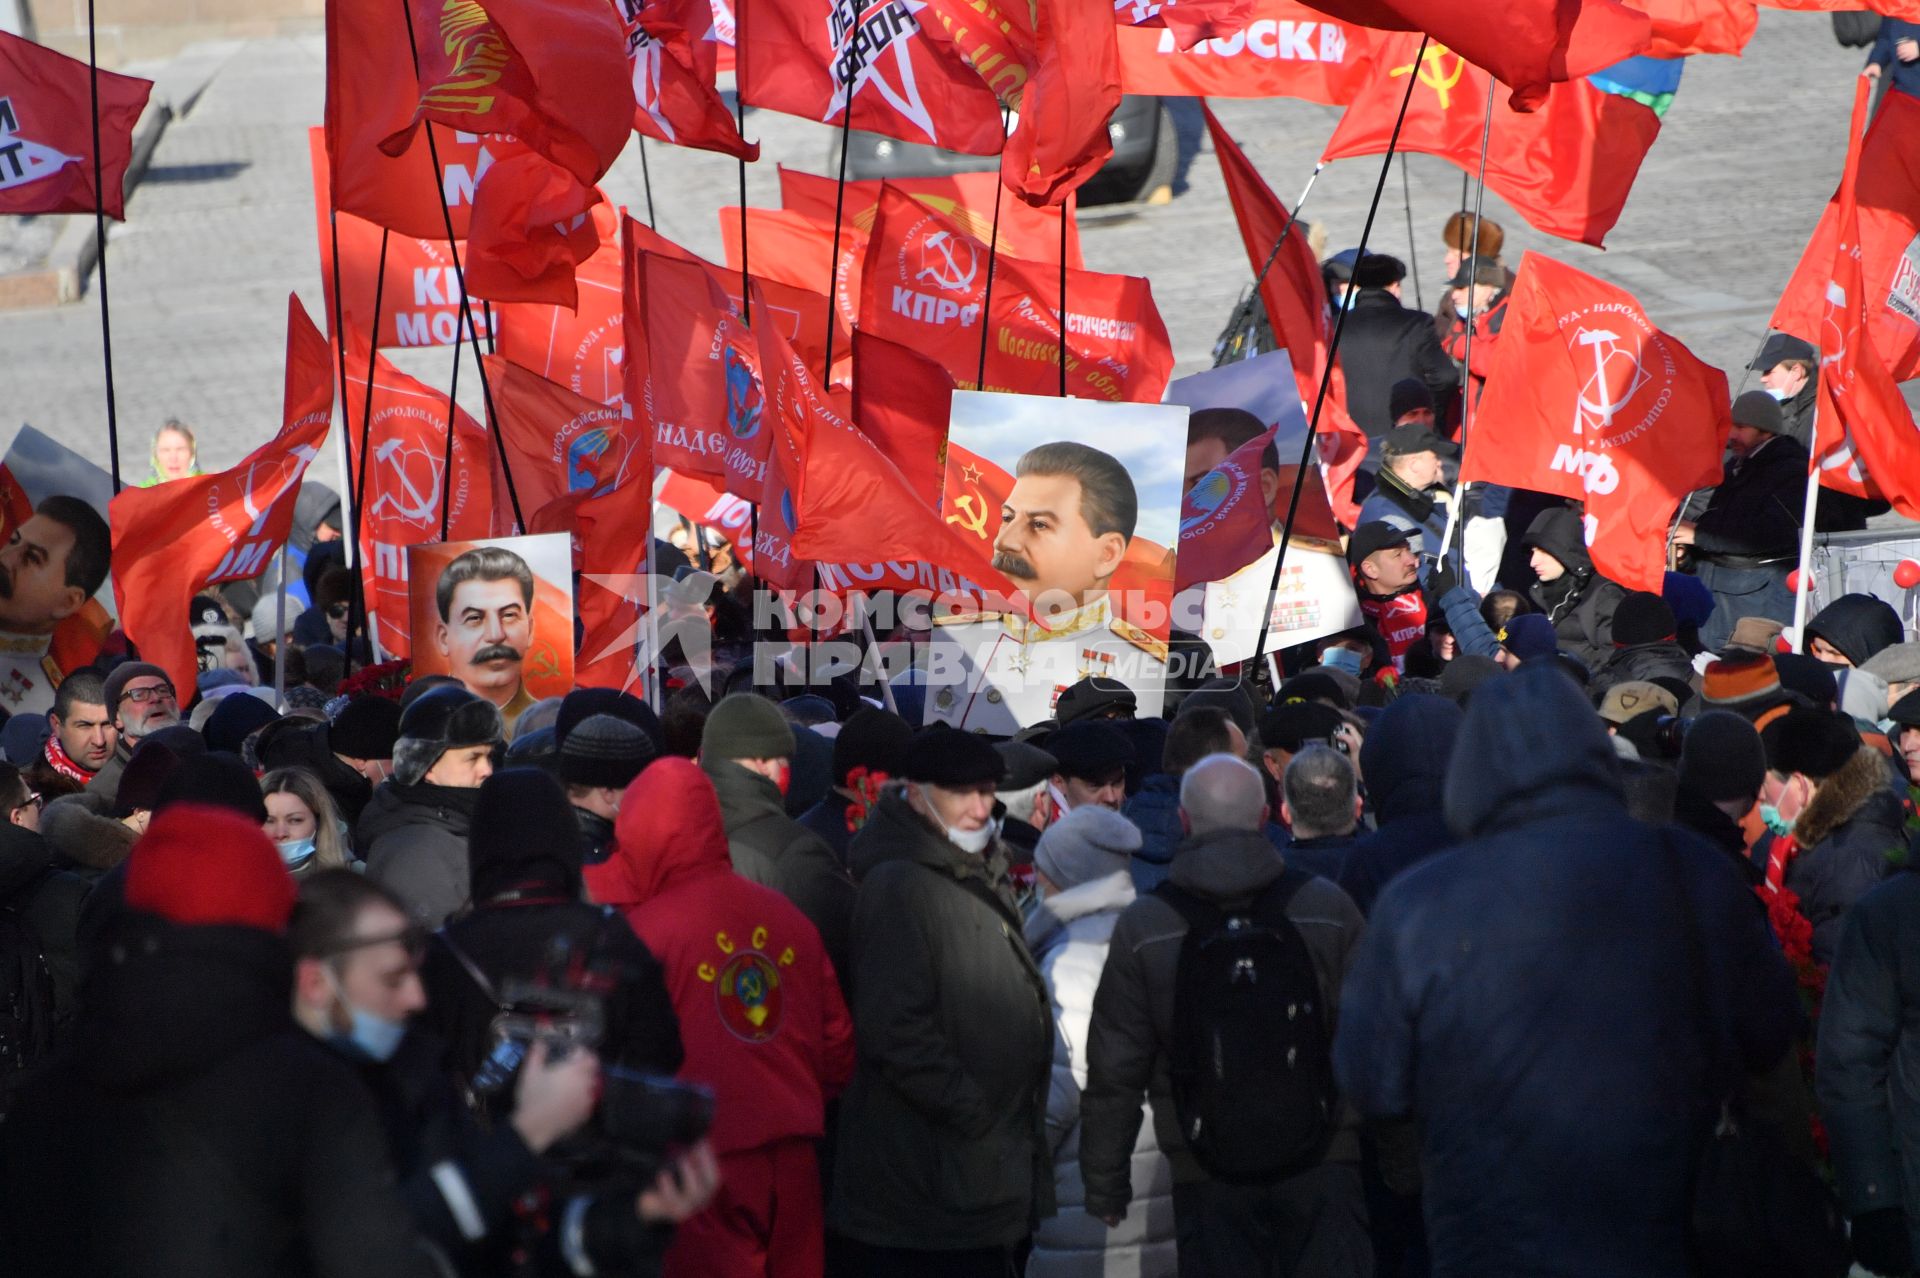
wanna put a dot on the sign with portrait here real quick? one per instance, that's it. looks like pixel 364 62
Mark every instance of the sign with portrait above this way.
pixel 496 615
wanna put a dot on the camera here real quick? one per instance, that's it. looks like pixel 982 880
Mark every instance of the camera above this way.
pixel 1669 734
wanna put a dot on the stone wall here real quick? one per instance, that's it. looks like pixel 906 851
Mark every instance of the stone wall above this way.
pixel 133 30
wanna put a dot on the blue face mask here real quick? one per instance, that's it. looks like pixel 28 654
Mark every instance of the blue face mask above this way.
pixel 371 1037
pixel 1342 659
pixel 296 852
pixel 1778 825
pixel 1462 311
pixel 1780 395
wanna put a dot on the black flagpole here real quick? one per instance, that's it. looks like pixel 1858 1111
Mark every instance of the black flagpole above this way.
pixel 1063 299
pixel 833 259
pixel 356 604
pixel 100 235
pixel 993 251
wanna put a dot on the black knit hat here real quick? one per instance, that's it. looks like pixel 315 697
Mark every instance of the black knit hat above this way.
pixel 1815 743
pixel 365 728
pixel 941 755
pixel 1378 270
pixel 604 751
pixel 1643 617
pixel 1722 758
pixel 145 773
pixel 238 716
pixel 523 836
pixel 1811 677
pixel 1409 395
pixel 216 779
pixel 874 739
pixel 1906 711
pixel 583 703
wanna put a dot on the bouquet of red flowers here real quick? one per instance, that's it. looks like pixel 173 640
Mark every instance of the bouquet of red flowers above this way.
pixel 388 679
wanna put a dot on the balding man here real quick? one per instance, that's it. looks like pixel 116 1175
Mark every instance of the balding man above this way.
pixel 1308 1217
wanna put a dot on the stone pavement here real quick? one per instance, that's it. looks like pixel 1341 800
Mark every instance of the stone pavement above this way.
pixel 223 228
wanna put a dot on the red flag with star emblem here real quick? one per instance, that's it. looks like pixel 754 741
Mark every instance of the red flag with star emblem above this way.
pixel 174 540
pixel 1282 50
pixel 1587 399
pixel 46 131
pixel 1566 167
pixel 675 57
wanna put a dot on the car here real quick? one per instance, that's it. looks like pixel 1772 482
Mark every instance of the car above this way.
pixel 1143 157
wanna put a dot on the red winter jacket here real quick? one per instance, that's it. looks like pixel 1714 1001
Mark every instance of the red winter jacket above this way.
pixel 760 1011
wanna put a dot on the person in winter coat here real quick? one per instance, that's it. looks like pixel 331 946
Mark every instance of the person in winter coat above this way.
pixel 1722 767
pixel 870 744
pixel 1574 596
pixel 1405 757
pixel 746 750
pixel 1197 731
pixel 413 833
pixel 84 834
pixel 1409 494
pixel 1645 645
pixel 1320 805
pixel 1081 865
pixel 1834 807
pixel 1852 630
pixel 598 761
pixel 1383 342
pixel 1521 997
pixel 46 897
pixel 760 1014
pixel 942 1163
pixel 193 1128
pixel 1313 1223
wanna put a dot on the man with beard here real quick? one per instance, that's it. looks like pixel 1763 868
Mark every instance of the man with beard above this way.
pixel 1064 533
pixel 485 599
pixel 51 565
pixel 141 700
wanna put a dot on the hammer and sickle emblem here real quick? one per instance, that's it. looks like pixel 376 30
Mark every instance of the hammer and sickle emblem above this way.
pixel 1434 74
pixel 972 516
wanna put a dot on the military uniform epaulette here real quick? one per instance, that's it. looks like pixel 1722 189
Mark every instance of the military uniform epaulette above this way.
pixel 969 618
pixel 1141 639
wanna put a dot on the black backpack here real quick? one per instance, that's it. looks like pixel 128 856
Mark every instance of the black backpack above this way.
pixel 1252 1074
pixel 26 1000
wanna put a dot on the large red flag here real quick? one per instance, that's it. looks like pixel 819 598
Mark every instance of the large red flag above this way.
pixel 173 540
pixel 902 402
pixel 1525 44
pixel 1589 400
pixel 406 476
pixel 582 349
pixel 700 501
pixel 46 131
pixel 1685 27
pixel 533 224
pixel 1865 439
pixel 967 198
pixel 797 250
pixel 675 57
pixel 1283 50
pixel 1887 197
pixel 802 56
pixel 558 442
pixel 924 283
pixel 1188 22
pixel 1566 167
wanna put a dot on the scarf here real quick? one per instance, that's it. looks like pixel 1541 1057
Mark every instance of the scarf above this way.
pixel 66 767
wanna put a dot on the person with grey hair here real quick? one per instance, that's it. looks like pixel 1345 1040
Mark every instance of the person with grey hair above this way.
pixel 485 600
pixel 1311 1221
pixel 1320 803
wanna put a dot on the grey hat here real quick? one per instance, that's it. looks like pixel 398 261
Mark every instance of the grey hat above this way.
pixel 604 751
pixel 266 618
pixel 1897 663
pixel 1086 844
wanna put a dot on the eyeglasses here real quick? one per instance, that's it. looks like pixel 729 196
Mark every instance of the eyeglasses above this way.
pixel 32 800
pixel 337 612
pixel 140 696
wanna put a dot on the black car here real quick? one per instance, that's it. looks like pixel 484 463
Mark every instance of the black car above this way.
pixel 1143 156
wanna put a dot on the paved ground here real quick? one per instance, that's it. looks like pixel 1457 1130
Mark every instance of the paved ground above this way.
pixel 223 228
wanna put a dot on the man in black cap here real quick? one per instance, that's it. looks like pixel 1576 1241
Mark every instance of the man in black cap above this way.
pixel 1386 577
pixel 956 1033
pixel 866 752
pixel 1410 492
pixel 1094 698
pixel 1027 795
pixel 599 760
pixel 1787 367
pixel 1383 342
pixel 362 736
pixel 1092 766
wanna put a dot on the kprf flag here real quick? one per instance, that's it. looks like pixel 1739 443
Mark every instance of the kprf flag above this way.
pixel 1887 247
pixel 409 481
pixel 1282 50
pixel 924 285
pixel 558 442
pixel 46 132
pixel 172 541
pixel 1525 44
pixel 1589 400
pixel 1865 441
pixel 974 200
pixel 583 348
pixel 814 58
pixel 1566 164
pixel 675 55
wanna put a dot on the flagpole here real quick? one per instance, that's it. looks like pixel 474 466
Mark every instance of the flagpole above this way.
pixel 740 127
pixel 646 179
pixel 1413 242
pixel 833 259
pixel 1253 297
pixel 100 262
pixel 1466 373
pixel 1063 302
pixel 993 250
pixel 1326 373
pixel 446 456
pixel 280 637
pixel 1804 584
pixel 356 596
pixel 340 351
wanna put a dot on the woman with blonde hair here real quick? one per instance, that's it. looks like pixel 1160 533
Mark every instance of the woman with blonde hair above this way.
pixel 303 822
pixel 176 454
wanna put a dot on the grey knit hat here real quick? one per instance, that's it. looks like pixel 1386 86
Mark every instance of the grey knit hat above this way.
pixel 1088 843
pixel 604 751
pixel 746 726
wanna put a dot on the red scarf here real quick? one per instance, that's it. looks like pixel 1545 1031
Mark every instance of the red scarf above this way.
pixel 1401 620
pixel 57 759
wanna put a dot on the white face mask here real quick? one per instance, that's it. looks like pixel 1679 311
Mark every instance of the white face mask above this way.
pixel 1464 312
pixel 1777 393
pixel 973 842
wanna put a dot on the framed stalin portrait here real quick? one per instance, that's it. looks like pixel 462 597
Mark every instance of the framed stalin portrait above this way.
pixel 1078 503
pixel 496 615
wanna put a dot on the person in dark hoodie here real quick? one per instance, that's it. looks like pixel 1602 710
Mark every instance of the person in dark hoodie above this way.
pixel 1576 599
pixel 1722 767
pixel 1646 645
pixel 1404 757
pixel 1525 997
pixel 871 745
pixel 1198 730
pixel 1852 629
pixel 193 1128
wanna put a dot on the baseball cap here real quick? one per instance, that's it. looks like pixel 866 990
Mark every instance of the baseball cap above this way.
pixel 1782 346
pixel 1371 537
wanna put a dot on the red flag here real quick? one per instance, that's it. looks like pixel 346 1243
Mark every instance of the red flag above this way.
pixel 46 131
pixel 967 198
pixel 173 540
pixel 1187 22
pixel 1225 523
pixel 1283 50
pixel 924 283
pixel 672 47
pixel 797 251
pixel 730 516
pixel 558 442
pixel 1566 167
pixel 801 57
pixel 581 349
pixel 1685 27
pixel 902 401
pixel 533 224
pixel 1525 44
pixel 555 76
pixel 1589 400
pixel 1887 196
pixel 406 475
pixel 1866 443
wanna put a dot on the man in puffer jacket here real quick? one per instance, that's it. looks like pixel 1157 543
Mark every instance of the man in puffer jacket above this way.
pixel 1577 600
pixel 1082 867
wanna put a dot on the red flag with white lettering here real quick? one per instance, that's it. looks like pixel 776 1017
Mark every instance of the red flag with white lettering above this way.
pixel 1188 22
pixel 1587 399
pixel 173 540
pixel 46 131
pixel 1283 50
pixel 558 442
pixel 674 52
pixel 581 349
pixel 968 198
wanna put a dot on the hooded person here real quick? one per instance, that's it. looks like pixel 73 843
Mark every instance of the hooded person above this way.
pixel 1082 863
pixel 1546 957
pixel 1852 630
pixel 937 956
pixel 1833 811
pixel 1646 645
pixel 866 751
pixel 760 1015
pixel 1404 757
pixel 1574 596
pixel 188 1090
pixel 413 832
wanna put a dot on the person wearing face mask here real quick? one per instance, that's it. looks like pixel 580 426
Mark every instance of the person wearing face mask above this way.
pixel 1091 761
pixel 1833 815
pixel 746 750
pixel 302 822
pixel 1788 368
pixel 956 1032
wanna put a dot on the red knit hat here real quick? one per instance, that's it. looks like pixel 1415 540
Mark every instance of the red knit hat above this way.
pixel 199 866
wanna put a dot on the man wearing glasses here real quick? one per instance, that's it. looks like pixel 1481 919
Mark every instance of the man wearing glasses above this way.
pixel 141 700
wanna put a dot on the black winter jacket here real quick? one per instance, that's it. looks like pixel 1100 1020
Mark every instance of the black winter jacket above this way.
pixel 48 900
pixel 1643 661
pixel 414 839
pixel 1755 513
pixel 1849 835
pixel 1580 603
pixel 1405 758
pixel 1382 343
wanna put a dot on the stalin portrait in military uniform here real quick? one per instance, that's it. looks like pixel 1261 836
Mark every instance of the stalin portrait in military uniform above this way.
pixel 1064 531
pixel 50 566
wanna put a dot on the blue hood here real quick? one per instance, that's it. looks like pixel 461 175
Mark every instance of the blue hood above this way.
pixel 1406 754
pixel 1531 748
